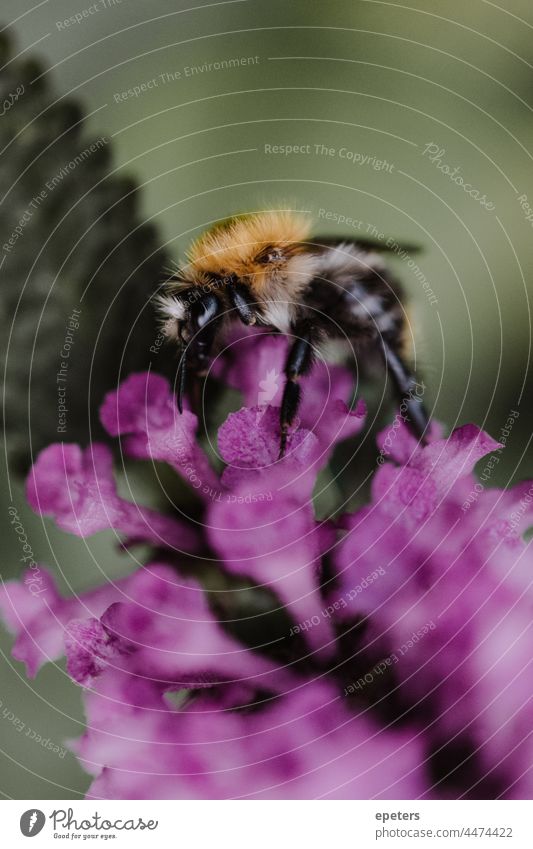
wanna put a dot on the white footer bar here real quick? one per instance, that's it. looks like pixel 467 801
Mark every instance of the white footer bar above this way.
pixel 269 824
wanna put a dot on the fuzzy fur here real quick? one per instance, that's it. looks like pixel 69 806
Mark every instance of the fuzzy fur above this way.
pixel 272 254
pixel 236 246
pixel 264 268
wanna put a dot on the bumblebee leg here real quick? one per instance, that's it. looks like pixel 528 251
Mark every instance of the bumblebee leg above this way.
pixel 241 300
pixel 181 377
pixel 204 318
pixel 299 363
pixel 197 342
pixel 406 387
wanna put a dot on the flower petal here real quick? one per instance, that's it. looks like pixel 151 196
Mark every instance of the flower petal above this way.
pixel 77 489
pixel 144 410
pixel 303 746
pixel 167 634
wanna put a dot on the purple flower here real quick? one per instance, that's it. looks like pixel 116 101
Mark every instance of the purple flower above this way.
pixel 402 671
pixel 324 397
pixel 77 489
pixel 450 607
pixel 165 633
pixel 305 745
pixel 264 527
pixel 39 618
pixel 144 412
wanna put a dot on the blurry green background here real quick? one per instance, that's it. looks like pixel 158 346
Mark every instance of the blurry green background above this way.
pixel 382 79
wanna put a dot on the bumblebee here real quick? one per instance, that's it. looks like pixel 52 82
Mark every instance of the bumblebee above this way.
pixel 267 269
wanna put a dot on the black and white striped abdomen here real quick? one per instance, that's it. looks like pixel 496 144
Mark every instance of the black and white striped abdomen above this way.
pixel 355 291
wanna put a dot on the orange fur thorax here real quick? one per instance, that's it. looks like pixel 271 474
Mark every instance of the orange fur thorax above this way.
pixel 241 246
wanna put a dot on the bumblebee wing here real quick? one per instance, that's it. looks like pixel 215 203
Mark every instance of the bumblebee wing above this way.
pixel 366 244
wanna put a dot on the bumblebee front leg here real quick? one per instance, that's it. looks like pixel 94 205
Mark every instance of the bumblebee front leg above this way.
pixel 181 376
pixel 299 363
pixel 406 387
pixel 197 338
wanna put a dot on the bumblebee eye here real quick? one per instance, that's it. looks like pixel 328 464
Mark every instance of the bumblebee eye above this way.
pixel 270 254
